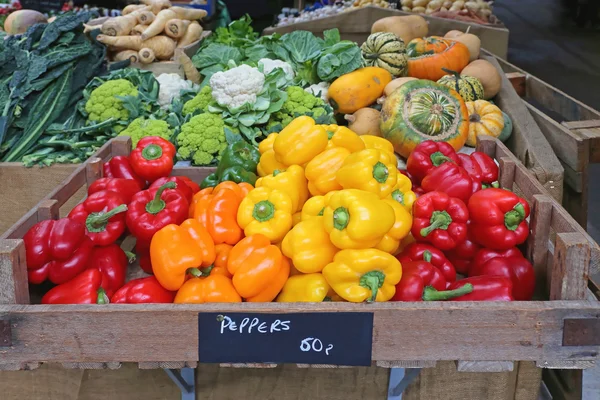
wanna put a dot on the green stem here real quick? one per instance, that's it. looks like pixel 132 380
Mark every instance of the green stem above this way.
pixel 439 220
pixel 513 218
pixel 398 196
pixel 427 256
pixel 341 218
pixel 278 171
pixel 157 204
pixel 372 280
pixel 130 257
pixel 263 211
pixel 495 184
pixel 96 222
pixel 102 297
pixel 380 172
pixel 152 152
pixel 195 272
pixel 84 129
pixel 438 158
pixel 432 294
pixel 206 271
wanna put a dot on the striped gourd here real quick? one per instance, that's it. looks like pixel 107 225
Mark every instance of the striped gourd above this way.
pixel 469 87
pixel 387 51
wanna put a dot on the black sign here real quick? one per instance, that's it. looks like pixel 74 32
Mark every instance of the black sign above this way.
pixel 42 5
pixel 305 338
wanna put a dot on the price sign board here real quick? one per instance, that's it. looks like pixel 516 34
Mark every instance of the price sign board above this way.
pixel 344 338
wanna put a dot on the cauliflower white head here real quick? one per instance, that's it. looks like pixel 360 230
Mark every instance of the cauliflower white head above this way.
pixel 269 65
pixel 320 90
pixel 171 86
pixel 237 86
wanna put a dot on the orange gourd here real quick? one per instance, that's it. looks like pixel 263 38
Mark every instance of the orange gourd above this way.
pixel 427 56
pixel 358 89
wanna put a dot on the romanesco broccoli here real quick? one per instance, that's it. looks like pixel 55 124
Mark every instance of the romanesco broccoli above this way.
pixel 104 104
pixel 300 102
pixel 141 127
pixel 199 102
pixel 202 139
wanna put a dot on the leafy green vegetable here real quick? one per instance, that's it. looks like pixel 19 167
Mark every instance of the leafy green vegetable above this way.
pixel 302 46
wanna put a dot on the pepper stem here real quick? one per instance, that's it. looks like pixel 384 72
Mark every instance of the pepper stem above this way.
pixel 341 218
pixel 130 257
pixel 372 280
pixel 278 171
pixel 206 271
pixel 494 184
pixel 380 172
pixel 195 272
pixel 263 211
pixel 320 214
pixel 427 256
pixel 102 297
pixel 152 152
pixel 438 158
pixel 157 204
pixel 398 196
pixel 439 220
pixel 96 222
pixel 432 294
pixel 331 133
pixel 513 218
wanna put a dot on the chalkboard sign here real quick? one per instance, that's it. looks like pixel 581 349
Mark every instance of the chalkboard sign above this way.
pixel 303 338
pixel 42 5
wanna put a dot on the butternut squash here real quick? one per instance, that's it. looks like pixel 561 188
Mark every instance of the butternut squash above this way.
pixel 488 75
pixel 472 42
pixel 406 28
pixel 358 89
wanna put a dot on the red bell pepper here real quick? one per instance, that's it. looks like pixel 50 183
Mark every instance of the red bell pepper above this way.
pixel 427 156
pixel 498 218
pixel 125 187
pixel 153 158
pixel 462 255
pixel 184 185
pixel 143 255
pixel 85 288
pixel 416 276
pixel 440 220
pixel 143 290
pixel 103 214
pixel 120 167
pixel 484 288
pixel 452 179
pixel 426 252
pixel 151 210
pixel 56 250
pixel 112 262
pixel 482 166
pixel 510 264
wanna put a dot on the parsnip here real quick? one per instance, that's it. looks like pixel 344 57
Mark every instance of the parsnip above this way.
pixel 138 29
pixel 147 56
pixel 163 46
pixel 176 28
pixel 192 34
pixel 120 26
pixel 157 5
pixel 126 54
pixel 146 17
pixel 158 25
pixel 191 14
pixel 191 73
pixel 133 7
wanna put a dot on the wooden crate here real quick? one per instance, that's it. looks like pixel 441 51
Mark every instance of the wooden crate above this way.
pixel 572 129
pixel 480 336
pixel 356 25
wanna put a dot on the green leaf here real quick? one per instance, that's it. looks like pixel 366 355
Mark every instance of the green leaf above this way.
pixel 331 37
pixel 232 137
pixel 302 46
pixel 216 54
pixel 339 59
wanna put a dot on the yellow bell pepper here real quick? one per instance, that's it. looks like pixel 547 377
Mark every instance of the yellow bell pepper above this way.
pixel 355 219
pixel 403 222
pixel 268 164
pixel 300 141
pixel 266 211
pixel 321 171
pixel 309 246
pixel 376 142
pixel 403 193
pixel 408 240
pixel 309 288
pixel 296 218
pixel 341 136
pixel 364 275
pixel 315 206
pixel 290 181
pixel 371 170
pixel 267 144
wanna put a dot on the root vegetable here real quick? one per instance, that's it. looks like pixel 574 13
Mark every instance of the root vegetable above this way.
pixel 120 26
pixel 407 9
pixel 147 56
pixel 191 14
pixel 163 46
pixel 420 3
pixel 395 84
pixel 364 122
pixel 146 17
pixel 407 3
pixel 192 34
pixel 176 28
pixel 419 10
pixel 191 73
pixel 133 7
pixel 18 21
pixel 157 5
pixel 158 25
pixel 126 55
pixel 138 29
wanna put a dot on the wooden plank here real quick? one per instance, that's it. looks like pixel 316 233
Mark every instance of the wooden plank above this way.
pixel 167 364
pixel 570 267
pixel 594 123
pixel 20 228
pixel 506 176
pixel 13 273
pixel 120 146
pixel 527 142
pixel 92 365
pixel 69 186
pixel 574 179
pixel 567 364
pixel 593 135
pixel 485 366
pixel 48 209
pixel 487 145
pixel 518 81
pixel 558 101
pixel 406 364
pixel 477 331
pixel 19 366
pixel 536 245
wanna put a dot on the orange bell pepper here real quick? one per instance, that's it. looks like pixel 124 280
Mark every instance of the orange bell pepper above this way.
pixel 212 289
pixel 240 189
pixel 199 205
pixel 259 269
pixel 222 217
pixel 176 251
pixel 219 267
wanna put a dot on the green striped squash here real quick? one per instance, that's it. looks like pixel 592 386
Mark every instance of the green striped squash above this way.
pixel 387 51
pixel 469 87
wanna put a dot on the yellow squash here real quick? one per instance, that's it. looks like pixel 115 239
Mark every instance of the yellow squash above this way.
pixel 358 89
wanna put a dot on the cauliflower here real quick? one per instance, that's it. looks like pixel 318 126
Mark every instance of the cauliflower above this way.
pixel 300 102
pixel 200 102
pixel 237 86
pixel 104 104
pixel 140 128
pixel 269 65
pixel 202 139
pixel 320 90
pixel 171 86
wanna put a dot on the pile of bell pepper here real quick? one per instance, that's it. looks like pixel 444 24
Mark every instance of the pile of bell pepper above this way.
pixel 316 213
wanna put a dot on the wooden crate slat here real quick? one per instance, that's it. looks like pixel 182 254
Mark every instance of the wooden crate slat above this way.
pixel 570 267
pixel 485 366
pixel 13 273
pixel 558 101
